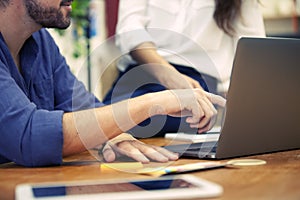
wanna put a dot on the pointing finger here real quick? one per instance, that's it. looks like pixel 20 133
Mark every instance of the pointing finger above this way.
pixel 216 99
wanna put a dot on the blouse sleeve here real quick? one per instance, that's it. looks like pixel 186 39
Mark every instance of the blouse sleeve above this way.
pixel 132 22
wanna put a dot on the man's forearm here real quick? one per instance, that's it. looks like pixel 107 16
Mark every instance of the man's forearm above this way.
pixel 90 128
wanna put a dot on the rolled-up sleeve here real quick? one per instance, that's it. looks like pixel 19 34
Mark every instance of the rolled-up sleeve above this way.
pixel 32 105
pixel 29 136
pixel 45 140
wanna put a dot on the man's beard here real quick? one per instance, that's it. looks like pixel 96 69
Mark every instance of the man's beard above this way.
pixel 47 17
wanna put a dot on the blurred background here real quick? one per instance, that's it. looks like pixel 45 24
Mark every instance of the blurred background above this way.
pixel 94 24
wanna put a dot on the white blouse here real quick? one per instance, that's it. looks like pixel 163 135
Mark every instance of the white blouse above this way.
pixel 185 32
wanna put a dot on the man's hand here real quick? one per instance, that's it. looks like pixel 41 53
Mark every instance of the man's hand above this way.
pixel 127 145
pixel 197 105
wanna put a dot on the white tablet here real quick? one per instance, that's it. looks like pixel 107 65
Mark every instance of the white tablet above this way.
pixel 168 187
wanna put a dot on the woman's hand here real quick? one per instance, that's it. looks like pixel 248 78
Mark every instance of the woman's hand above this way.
pixel 173 79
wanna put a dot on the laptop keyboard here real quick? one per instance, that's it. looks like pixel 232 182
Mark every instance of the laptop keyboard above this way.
pixel 194 147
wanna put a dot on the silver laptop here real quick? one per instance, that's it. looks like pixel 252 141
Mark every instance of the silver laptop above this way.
pixel 263 102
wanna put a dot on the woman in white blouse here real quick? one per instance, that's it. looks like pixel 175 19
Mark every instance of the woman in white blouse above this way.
pixel 178 44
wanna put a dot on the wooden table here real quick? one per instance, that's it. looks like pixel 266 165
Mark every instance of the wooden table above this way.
pixel 278 179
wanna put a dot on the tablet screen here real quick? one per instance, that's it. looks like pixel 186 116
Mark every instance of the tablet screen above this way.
pixel 147 185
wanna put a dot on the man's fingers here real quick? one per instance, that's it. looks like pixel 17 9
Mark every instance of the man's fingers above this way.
pixel 140 152
pixel 205 128
pixel 197 114
pixel 150 152
pixel 170 155
pixel 155 152
pixel 216 99
pixel 208 111
pixel 131 151
pixel 108 154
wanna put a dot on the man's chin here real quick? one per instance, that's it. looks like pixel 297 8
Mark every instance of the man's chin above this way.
pixel 64 26
pixel 61 26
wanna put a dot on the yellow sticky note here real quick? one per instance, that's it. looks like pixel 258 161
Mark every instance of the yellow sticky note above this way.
pixel 190 167
pixel 122 166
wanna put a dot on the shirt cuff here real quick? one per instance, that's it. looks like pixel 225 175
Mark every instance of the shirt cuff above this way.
pixel 47 138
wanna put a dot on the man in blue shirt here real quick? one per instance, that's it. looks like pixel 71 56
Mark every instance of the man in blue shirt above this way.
pixel 46 113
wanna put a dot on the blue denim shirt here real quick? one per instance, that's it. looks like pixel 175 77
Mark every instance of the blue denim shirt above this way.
pixel 32 102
